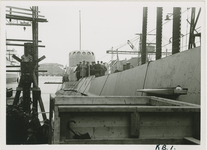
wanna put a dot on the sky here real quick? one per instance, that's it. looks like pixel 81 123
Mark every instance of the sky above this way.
pixel 103 25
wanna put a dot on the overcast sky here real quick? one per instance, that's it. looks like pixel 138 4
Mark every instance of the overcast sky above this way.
pixel 103 25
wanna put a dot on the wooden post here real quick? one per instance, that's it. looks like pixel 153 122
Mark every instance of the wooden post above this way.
pixel 51 109
pixel 144 35
pixel 134 125
pixel 196 125
pixel 42 108
pixel 176 30
pixel 159 33
pixel 35 36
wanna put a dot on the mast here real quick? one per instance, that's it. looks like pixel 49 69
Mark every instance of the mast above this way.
pixel 80 27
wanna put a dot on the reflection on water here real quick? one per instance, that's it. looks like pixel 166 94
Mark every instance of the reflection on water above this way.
pixel 46 89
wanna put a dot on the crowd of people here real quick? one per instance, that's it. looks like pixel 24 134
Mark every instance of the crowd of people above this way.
pixel 85 69
pixel 25 128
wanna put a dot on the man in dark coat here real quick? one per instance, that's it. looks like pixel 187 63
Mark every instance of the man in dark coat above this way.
pixel 77 70
pixel 92 68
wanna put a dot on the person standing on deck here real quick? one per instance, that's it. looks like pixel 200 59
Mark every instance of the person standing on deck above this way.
pixel 92 68
pixel 87 69
pixel 98 69
pixel 83 70
pixel 77 70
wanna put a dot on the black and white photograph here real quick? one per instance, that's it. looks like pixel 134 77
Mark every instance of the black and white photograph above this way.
pixel 103 75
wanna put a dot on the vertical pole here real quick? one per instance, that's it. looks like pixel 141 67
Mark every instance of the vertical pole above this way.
pixel 144 35
pixel 176 30
pixel 80 26
pixel 35 37
pixel 52 99
pixel 36 93
pixel 140 49
pixel 159 33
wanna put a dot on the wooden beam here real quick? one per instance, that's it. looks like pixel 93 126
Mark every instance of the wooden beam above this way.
pixel 51 111
pixel 135 125
pixel 13 70
pixel 104 100
pixel 16 58
pixel 21 40
pixel 20 8
pixel 18 12
pixel 9 44
pixel 121 141
pixel 41 58
pixel 16 24
pixel 20 70
pixel 12 66
pixel 42 108
pixel 99 108
pixel 22 13
pixel 8 16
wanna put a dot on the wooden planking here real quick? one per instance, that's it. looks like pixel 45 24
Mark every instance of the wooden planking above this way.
pixel 101 132
pixel 97 119
pixel 97 125
pixel 108 117
pixel 96 108
pixel 166 125
pixel 63 100
pixel 99 108
pixel 172 132
pixel 124 141
pixel 111 132
pixel 145 100
pixel 166 119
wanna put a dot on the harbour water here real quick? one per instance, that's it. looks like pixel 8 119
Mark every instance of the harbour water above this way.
pixel 46 90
